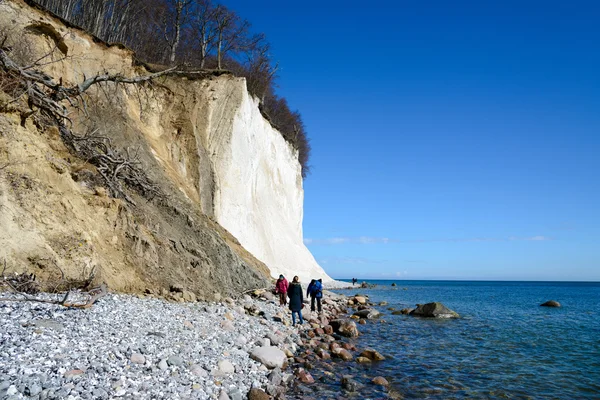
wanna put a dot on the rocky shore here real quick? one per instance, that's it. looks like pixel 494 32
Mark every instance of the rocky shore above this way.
pixel 144 347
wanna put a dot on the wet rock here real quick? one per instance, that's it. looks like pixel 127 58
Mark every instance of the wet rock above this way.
pixel 348 384
pixel 550 303
pixel 394 284
pixel 328 329
pixel 362 360
pixel 360 300
pixel 344 327
pixel 324 355
pixel 342 353
pixel 372 355
pixel 380 380
pixel 304 376
pixel 362 322
pixel 368 313
pixel 433 310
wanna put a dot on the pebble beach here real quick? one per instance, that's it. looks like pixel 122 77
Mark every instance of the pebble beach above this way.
pixel 145 347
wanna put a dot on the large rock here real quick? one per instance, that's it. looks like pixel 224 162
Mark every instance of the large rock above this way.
pixel 368 313
pixel 269 356
pixel 344 327
pixel 257 394
pixel 433 310
pixel 372 355
pixel 360 300
pixel 550 303
pixel 343 354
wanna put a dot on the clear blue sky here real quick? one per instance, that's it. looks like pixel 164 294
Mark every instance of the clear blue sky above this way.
pixel 451 140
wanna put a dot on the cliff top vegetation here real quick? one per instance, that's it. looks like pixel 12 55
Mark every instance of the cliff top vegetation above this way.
pixel 195 34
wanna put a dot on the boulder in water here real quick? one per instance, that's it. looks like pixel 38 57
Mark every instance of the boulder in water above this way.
pixel 344 327
pixel 394 284
pixel 550 303
pixel 368 313
pixel 433 310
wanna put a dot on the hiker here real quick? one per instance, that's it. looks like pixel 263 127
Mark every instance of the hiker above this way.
pixel 296 300
pixel 310 287
pixel 316 293
pixel 281 288
pixel 354 280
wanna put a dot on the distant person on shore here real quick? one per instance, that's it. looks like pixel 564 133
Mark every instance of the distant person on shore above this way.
pixel 354 280
pixel 296 300
pixel 281 288
pixel 316 293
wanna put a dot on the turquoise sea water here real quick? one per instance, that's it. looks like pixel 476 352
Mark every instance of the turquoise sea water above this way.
pixel 504 345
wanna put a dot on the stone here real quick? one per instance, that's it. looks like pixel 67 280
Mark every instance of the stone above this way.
pixel 257 394
pixel 223 395
pixel 162 365
pixel 433 310
pixel 229 316
pixel 372 355
pixel 362 360
pixel 360 300
pixel 304 376
pixel 348 384
pixel 275 377
pixel 550 303
pixel 197 370
pixel 225 367
pixel 380 380
pixel 74 372
pixel 344 327
pixel 175 360
pixel 227 325
pixel 383 303
pixel 362 322
pixel 269 356
pixel 275 339
pixel 394 284
pixel 328 329
pixel 342 353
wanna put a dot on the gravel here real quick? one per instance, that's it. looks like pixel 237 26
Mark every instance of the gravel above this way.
pixel 137 348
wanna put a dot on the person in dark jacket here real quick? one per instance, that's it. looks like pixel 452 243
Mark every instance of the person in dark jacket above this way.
pixel 296 300
pixel 310 287
pixel 316 293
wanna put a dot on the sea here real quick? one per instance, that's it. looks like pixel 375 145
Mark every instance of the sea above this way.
pixel 503 346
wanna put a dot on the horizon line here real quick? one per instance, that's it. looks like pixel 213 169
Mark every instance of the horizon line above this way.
pixel 465 280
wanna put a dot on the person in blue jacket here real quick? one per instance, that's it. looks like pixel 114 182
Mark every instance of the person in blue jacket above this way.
pixel 316 293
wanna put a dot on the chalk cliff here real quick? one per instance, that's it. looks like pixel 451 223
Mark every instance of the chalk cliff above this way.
pixel 218 161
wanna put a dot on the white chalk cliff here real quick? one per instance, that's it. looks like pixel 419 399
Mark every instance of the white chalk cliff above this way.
pixel 258 192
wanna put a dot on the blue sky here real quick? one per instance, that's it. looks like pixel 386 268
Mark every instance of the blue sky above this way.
pixel 451 140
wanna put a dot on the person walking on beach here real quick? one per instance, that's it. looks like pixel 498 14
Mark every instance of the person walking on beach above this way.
pixel 310 287
pixel 296 300
pixel 354 280
pixel 316 293
pixel 281 288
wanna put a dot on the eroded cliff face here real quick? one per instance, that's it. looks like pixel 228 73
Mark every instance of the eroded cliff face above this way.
pixel 219 163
